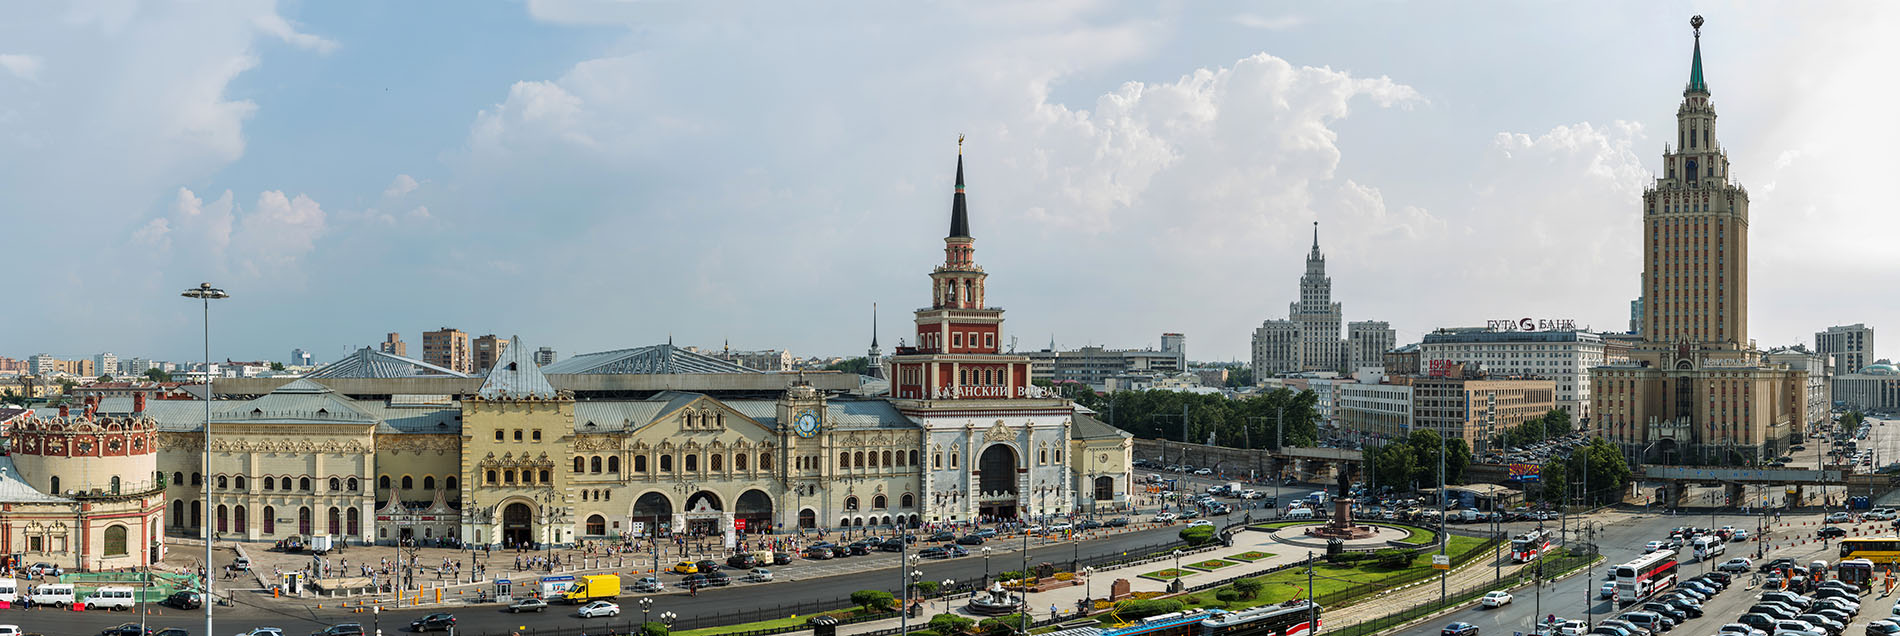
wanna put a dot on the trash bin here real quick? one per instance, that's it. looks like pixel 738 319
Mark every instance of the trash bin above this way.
pixel 823 625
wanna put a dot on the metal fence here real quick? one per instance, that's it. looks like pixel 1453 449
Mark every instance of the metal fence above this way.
pixel 1555 565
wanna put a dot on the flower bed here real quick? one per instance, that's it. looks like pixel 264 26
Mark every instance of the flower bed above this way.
pixel 1250 556
pixel 1211 564
pixel 1169 574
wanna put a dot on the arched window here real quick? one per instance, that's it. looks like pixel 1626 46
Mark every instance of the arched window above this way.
pixel 240 520
pixel 913 458
pixel 607 495
pixel 639 463
pixel 844 460
pixel 115 537
pixel 223 482
pixel 408 483
pixel 222 511
pixel 580 464
pixel 270 483
pixel 55 484
pixel 491 478
pixel 594 464
pixel 178 513
pixel 613 463
pixel 765 461
pixel 936 460
pixel 508 476
pixel 545 477
pixel 334 522
pixel 382 483
pixel 197 514
pixel 666 463
pixel 1042 456
pixel 738 461
pixel 178 479
pixel 303 484
pixel 851 502
pixel 353 521
pixel 270 520
pixel 452 483
pixel 238 481
pixel 908 501
pixel 1059 455
pixel 304 522
pixel 115 484
pixel 197 479
pixel 953 458
pixel 878 502
pixel 596 525
pixel 887 459
pixel 692 462
pixel 716 462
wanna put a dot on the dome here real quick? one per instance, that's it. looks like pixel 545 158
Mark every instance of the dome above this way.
pixel 1880 368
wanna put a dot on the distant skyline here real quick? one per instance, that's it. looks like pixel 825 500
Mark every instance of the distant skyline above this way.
pixel 595 176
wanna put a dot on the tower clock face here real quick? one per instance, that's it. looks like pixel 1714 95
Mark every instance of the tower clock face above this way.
pixel 806 424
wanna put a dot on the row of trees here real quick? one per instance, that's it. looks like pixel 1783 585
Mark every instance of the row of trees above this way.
pixel 1555 423
pixel 1608 475
pixel 1268 420
pixel 1412 462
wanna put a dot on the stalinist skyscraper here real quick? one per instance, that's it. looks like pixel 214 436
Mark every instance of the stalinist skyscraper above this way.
pixel 1696 390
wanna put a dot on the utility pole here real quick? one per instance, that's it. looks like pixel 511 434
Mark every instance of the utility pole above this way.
pixel 1589 605
pixel 1443 540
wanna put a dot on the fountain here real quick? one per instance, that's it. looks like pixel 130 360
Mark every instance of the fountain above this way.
pixel 996 602
pixel 1341 525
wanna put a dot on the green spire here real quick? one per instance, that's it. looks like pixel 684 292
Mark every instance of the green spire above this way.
pixel 1695 67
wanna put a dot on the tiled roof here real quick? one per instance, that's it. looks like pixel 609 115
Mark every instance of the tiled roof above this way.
pixel 419 419
pixel 515 375
pixel 841 414
pixel 300 400
pixel 650 360
pixel 1085 427
pixel 616 416
pixel 370 363
pixel 14 489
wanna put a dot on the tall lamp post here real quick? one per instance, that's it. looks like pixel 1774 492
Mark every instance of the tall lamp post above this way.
pixel 646 607
pixel 205 293
pixel 986 567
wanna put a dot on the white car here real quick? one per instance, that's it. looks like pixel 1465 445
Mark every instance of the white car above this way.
pixel 1839 517
pixel 649 584
pixel 599 608
pixel 759 575
pixel 1164 517
pixel 1496 599
pixel 9 630
pixel 1737 564
pixel 264 631
pixel 1896 608
pixel 1739 536
pixel 1200 522
pixel 1653 546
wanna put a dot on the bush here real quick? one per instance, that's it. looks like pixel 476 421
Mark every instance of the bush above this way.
pixel 1002 624
pixel 1393 558
pixel 654 628
pixel 1227 596
pixel 1347 558
pixel 1013 575
pixel 1197 535
pixel 1249 588
pixel 927 588
pixel 874 600
pixel 950 624
pixel 1133 610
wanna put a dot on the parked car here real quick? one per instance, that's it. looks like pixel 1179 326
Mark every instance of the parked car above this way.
pixel 759 575
pixel 128 629
pixel 44 569
pixel 938 552
pixel 970 539
pixel 781 558
pixel 1496 599
pixel 1737 564
pixel 241 563
pixel 527 605
pixel 1833 532
pixel 184 600
pixel 648 584
pixel 685 567
pixel 598 609
pixel 817 553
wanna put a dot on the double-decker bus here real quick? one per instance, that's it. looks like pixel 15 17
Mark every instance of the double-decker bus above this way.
pixel 1292 618
pixel 1875 549
pixel 1642 577
pixel 1528 546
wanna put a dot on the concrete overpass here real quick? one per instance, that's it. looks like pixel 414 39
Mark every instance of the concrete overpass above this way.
pixel 1736 481
pixel 1305 464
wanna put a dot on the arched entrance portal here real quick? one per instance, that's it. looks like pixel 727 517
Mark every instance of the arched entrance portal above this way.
pixel 655 514
pixel 704 513
pixel 755 509
pixel 517 524
pixel 807 519
pixel 996 481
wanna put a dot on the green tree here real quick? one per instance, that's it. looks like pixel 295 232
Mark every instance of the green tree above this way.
pixel 860 366
pixel 1237 378
pixel 950 624
pixel 1609 474
pixel 1413 461
pixel 1249 588
pixel 1197 535
pixel 276 366
pixel 1392 558
pixel 873 600
pixel 105 378
pixel 1002 624
pixel 1253 422
pixel 1851 421
pixel 926 588
pixel 1557 423
pixel 158 375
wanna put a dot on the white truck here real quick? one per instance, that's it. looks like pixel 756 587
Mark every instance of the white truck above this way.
pixel 320 544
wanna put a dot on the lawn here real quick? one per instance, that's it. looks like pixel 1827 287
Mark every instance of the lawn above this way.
pixel 1284 524
pixel 1331 579
pixel 767 624
pixel 1251 556
pixel 1211 564
pixel 1415 534
pixel 1418 535
pixel 1168 574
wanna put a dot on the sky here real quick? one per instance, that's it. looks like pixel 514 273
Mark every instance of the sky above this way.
pixel 602 175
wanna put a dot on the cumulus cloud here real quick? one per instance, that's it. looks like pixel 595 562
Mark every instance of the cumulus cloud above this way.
pixel 217 236
pixel 404 184
pixel 26 67
pixel 275 25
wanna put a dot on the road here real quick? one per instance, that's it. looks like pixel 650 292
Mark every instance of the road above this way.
pixel 713 602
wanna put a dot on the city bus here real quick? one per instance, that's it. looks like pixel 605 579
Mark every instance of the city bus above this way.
pixel 1291 618
pixel 1856 571
pixel 1875 549
pixel 1638 579
pixel 1528 546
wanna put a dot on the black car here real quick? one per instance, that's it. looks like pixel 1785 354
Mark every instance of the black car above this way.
pixel 956 550
pixel 943 536
pixel 128 629
pixel 1722 578
pixel 1776 565
pixel 970 539
pixel 345 629
pixel 891 545
pixel 781 558
pixel 173 631
pixel 860 548
pixel 706 565
pixel 437 621
pixel 716 579
pixel 742 560
pixel 938 552
pixel 1667 611
pixel 184 600
pixel 1118 522
pixel 1762 622
pixel 1830 532
pixel 1089 524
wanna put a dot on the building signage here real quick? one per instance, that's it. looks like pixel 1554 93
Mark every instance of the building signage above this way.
pixel 964 391
pixel 1439 368
pixel 1727 363
pixel 1532 324
pixel 1525 472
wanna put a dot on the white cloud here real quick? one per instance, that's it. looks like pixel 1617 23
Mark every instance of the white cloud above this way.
pixel 1270 23
pixel 278 232
pixel 276 26
pixel 404 184
pixel 26 67
pixel 217 237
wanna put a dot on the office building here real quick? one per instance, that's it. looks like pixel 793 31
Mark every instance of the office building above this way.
pixel 1309 339
pixel 1479 409
pixel 1565 357
pixel 1875 389
pixel 1366 344
pixel 301 358
pixel 1851 346
pixel 1375 410
pixel 1094 365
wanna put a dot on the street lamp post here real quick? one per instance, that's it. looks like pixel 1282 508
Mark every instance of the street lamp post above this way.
pixel 646 606
pixel 205 293
pixel 986 567
pixel 1177 570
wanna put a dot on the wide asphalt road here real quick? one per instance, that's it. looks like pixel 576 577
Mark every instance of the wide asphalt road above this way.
pixel 479 620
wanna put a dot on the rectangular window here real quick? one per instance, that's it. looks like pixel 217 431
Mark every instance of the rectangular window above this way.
pixel 498 436
pixel 537 435
pixel 956 339
pixel 517 435
pixel 989 341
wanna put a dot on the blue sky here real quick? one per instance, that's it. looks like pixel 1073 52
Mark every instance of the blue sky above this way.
pixel 595 175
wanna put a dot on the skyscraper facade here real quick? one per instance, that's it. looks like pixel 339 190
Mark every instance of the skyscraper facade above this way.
pixel 1695 390
pixel 1308 340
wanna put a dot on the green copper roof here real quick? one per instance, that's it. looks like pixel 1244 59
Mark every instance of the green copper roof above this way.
pixel 1695 69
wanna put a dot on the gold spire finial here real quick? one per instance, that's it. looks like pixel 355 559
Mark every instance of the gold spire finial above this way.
pixel 959 143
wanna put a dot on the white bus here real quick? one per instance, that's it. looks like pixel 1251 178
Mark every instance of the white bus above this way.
pixel 111 598
pixel 1638 579
pixel 1708 547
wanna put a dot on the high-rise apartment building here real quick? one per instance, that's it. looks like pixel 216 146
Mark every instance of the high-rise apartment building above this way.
pixel 301 358
pixel 1851 346
pixel 485 351
pixel 448 348
pixel 1176 344
pixel 394 345
pixel 1695 389
pixel 1309 339
pixel 105 363
pixel 544 356
pixel 1366 344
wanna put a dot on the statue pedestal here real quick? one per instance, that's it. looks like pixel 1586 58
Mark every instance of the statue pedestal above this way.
pixel 1341 525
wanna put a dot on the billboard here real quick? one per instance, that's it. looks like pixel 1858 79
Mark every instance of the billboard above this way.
pixel 1525 472
pixel 1532 324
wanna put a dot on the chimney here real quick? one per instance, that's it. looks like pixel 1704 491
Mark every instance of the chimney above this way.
pixel 138 402
pixel 62 410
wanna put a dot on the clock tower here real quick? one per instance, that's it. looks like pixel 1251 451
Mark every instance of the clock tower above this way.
pixel 993 443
